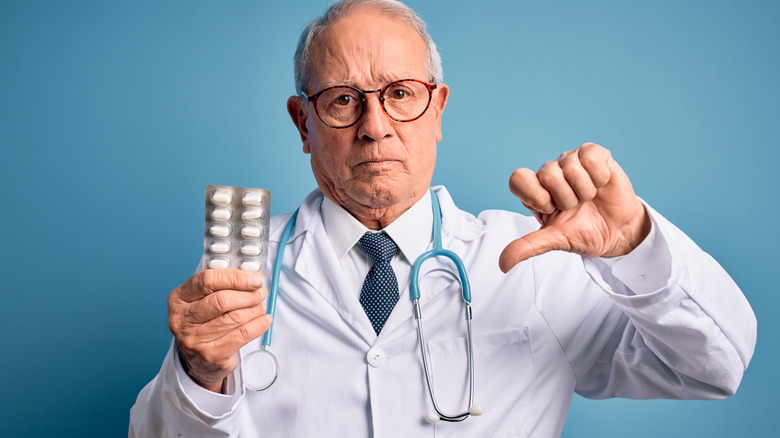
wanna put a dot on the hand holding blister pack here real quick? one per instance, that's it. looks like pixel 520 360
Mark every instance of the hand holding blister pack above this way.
pixel 236 234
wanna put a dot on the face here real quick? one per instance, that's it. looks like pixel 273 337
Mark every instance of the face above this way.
pixel 377 168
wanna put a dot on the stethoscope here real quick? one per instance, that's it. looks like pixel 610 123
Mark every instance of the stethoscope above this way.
pixel 261 367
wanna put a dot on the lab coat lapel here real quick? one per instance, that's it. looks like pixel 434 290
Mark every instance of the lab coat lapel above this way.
pixel 318 265
pixel 403 311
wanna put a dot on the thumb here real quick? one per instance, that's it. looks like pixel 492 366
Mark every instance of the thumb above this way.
pixel 532 244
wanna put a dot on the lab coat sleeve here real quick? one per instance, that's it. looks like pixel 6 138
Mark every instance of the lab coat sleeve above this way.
pixel 173 405
pixel 681 329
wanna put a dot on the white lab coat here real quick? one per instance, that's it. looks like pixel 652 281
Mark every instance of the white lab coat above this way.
pixel 553 325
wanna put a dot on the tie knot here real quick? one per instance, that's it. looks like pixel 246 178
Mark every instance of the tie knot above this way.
pixel 379 246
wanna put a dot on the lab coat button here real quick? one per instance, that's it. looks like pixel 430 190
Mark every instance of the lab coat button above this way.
pixel 376 357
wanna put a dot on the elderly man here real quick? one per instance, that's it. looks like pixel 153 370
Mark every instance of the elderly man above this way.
pixel 629 308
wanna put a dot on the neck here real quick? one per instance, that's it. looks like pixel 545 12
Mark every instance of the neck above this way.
pixel 376 217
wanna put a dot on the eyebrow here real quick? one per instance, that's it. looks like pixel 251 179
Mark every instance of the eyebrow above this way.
pixel 382 79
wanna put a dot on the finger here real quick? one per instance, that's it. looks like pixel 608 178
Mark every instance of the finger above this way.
pixel 530 245
pixel 525 185
pixel 232 341
pixel 211 280
pixel 596 160
pixel 218 345
pixel 221 325
pixel 552 178
pixel 578 178
pixel 223 302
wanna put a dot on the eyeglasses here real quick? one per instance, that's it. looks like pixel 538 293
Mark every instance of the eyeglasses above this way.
pixel 341 106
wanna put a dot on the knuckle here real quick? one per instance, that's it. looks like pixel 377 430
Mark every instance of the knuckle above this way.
pixel 234 317
pixel 521 181
pixel 174 322
pixel 173 301
pixel 210 355
pixel 548 165
pixel 221 301
pixel 243 333
pixel 572 175
pixel 538 199
pixel 176 319
pixel 173 326
pixel 564 155
pixel 568 160
pixel 518 175
pixel 591 157
pixel 206 279
pixel 186 342
pixel 591 153
pixel 549 179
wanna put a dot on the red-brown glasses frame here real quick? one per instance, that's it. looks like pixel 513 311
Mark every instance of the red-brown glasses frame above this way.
pixel 313 99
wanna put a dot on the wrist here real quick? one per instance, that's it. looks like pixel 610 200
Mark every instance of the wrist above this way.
pixel 205 379
pixel 633 233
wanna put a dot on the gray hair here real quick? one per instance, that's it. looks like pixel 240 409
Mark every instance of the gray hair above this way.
pixel 341 9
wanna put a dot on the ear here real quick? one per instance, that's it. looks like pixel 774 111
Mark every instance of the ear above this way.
pixel 439 102
pixel 299 113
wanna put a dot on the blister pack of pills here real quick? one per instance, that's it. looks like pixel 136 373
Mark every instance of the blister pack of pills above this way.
pixel 237 220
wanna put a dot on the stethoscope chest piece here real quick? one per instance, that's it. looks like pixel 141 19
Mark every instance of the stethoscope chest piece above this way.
pixel 260 370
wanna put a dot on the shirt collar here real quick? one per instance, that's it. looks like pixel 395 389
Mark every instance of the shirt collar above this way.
pixel 412 231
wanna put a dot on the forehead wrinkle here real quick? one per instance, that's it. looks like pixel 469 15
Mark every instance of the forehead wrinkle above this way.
pixel 344 57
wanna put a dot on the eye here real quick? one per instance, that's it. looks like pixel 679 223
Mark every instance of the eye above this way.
pixel 398 94
pixel 343 100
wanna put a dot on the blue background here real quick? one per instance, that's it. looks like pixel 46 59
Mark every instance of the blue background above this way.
pixel 114 116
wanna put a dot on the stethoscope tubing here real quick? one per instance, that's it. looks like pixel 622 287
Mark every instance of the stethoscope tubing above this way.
pixel 273 292
pixel 414 295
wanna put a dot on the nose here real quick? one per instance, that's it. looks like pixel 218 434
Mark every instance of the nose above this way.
pixel 375 124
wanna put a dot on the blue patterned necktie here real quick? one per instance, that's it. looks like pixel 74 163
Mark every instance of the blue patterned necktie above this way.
pixel 380 289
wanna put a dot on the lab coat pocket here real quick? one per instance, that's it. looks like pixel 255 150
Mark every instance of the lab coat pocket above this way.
pixel 504 374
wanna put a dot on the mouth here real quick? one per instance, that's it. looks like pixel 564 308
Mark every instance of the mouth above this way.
pixel 376 163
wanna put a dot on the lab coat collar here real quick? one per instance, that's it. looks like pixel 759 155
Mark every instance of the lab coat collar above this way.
pixel 412 232
pixel 318 265
pixel 456 223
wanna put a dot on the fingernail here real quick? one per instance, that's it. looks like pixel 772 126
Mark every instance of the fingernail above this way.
pixel 269 318
pixel 255 281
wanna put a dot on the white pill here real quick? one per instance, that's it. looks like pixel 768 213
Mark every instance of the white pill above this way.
pixel 219 263
pixel 220 230
pixel 221 213
pixel 221 197
pixel 252 198
pixel 251 232
pixel 250 249
pixel 252 214
pixel 250 265
pixel 219 247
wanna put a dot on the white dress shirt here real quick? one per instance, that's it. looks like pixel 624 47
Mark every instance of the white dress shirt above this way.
pixel 411 232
